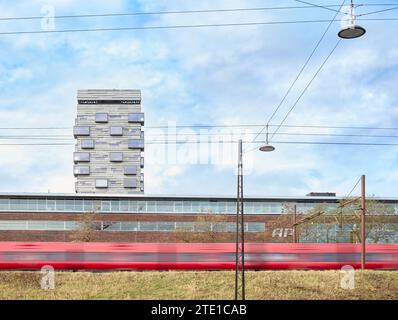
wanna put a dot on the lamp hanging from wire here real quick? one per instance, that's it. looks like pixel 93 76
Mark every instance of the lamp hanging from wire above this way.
pixel 267 147
pixel 351 30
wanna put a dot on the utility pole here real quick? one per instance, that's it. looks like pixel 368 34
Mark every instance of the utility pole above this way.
pixel 295 224
pixel 240 232
pixel 363 223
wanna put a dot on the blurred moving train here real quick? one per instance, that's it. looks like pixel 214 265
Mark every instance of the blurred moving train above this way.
pixel 192 256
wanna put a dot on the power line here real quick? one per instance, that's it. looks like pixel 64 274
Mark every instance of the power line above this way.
pixel 33 138
pixel 218 142
pixel 311 6
pixel 337 143
pixel 37 144
pixel 274 125
pixel 279 133
pixel 35 128
pixel 164 12
pixel 182 26
pixel 67 138
pixel 374 12
pixel 320 6
pixel 306 88
pixel 223 126
pixel 298 75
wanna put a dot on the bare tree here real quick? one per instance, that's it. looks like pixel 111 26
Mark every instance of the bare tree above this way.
pixel 381 222
pixel 87 225
pixel 208 227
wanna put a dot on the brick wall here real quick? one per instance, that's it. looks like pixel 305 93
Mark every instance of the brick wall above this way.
pixel 131 236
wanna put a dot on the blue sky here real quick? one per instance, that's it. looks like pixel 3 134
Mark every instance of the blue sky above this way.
pixel 233 75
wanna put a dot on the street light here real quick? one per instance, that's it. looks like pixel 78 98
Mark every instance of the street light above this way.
pixel 351 31
pixel 267 147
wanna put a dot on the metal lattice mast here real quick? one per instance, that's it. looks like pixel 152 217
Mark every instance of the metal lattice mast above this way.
pixel 240 233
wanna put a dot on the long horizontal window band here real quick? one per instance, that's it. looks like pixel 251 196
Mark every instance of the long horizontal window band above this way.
pixel 152 206
pixel 93 101
pixel 324 233
pixel 155 206
pixel 139 226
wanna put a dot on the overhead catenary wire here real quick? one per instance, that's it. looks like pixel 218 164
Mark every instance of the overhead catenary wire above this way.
pixel 198 126
pixel 118 14
pixel 378 11
pixel 187 26
pixel 306 88
pixel 298 75
pixel 320 6
pixel 218 142
pixel 203 134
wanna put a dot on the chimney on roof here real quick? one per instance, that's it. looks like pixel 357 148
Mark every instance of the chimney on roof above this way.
pixel 321 194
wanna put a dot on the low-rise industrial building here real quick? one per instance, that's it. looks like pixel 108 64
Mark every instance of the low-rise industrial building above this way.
pixel 152 218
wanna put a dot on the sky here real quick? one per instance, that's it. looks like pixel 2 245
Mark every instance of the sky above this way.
pixel 204 76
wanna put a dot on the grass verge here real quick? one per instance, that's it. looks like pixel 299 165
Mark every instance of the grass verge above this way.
pixel 266 285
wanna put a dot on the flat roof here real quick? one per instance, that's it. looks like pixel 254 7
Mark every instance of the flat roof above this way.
pixel 187 197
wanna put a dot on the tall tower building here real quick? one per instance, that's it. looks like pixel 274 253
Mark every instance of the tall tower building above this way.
pixel 109 137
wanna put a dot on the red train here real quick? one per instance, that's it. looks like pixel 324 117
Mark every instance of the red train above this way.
pixel 193 256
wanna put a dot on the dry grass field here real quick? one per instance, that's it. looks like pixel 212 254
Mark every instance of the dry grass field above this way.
pixel 199 285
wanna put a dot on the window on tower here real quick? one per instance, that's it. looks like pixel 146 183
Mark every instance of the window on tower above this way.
pixel 101 117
